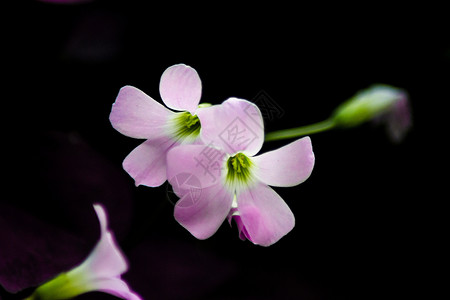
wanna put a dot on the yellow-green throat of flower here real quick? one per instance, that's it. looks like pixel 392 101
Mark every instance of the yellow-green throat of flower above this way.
pixel 187 126
pixel 239 169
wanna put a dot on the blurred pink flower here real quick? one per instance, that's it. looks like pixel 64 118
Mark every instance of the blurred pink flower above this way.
pixel 137 115
pixel 379 103
pixel 101 271
pixel 234 182
pixel 399 118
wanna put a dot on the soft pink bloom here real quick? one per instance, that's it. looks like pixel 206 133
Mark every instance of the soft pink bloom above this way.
pixel 103 268
pixel 234 180
pixel 137 115
pixel 101 271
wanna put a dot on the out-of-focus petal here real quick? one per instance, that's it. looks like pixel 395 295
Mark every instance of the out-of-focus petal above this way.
pixel 100 271
pixel 180 88
pixel 102 218
pixel 287 166
pixel 116 287
pixel 264 214
pixel 137 115
pixel 399 119
pixel 106 259
pixel 202 213
pixel 146 164
pixel 235 126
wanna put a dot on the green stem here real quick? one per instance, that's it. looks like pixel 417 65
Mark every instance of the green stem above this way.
pixel 300 131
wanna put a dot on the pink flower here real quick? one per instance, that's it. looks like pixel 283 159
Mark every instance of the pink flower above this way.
pixel 234 180
pixel 379 103
pixel 101 271
pixel 137 115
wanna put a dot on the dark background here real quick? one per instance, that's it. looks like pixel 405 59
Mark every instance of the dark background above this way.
pixel 367 223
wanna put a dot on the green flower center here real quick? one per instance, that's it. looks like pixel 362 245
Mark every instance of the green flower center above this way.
pixel 187 126
pixel 239 167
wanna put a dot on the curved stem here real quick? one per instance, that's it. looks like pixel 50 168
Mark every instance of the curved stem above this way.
pixel 300 131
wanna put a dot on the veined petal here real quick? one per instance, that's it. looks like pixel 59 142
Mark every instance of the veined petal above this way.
pixel 146 164
pixel 203 213
pixel 264 215
pixel 137 115
pixel 287 166
pixel 236 125
pixel 202 163
pixel 180 88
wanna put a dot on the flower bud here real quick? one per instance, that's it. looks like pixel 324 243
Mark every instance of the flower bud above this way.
pixel 377 103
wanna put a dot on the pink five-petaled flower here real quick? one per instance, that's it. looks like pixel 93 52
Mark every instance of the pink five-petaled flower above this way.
pixel 137 115
pixel 234 183
pixel 101 271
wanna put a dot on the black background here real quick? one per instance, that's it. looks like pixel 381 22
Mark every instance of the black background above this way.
pixel 366 220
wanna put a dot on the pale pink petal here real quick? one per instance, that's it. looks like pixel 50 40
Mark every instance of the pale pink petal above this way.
pixel 102 218
pixel 146 164
pixel 233 215
pixel 180 88
pixel 106 259
pixel 264 215
pixel 137 115
pixel 117 287
pixel 287 166
pixel 198 163
pixel 399 118
pixel 235 126
pixel 202 213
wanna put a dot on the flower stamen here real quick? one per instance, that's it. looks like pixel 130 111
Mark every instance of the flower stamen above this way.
pixel 239 167
pixel 187 126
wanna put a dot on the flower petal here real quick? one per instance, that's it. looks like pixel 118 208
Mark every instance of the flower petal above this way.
pixel 106 259
pixel 201 164
pixel 234 215
pixel 235 126
pixel 102 218
pixel 180 88
pixel 116 287
pixel 264 214
pixel 146 164
pixel 195 173
pixel 287 166
pixel 203 212
pixel 399 119
pixel 137 115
